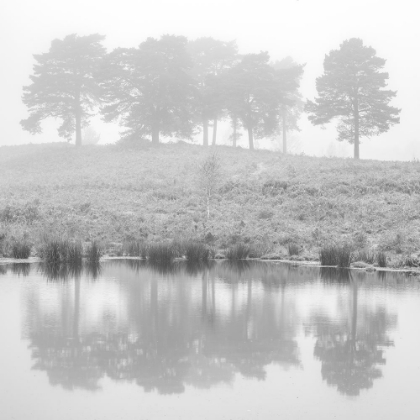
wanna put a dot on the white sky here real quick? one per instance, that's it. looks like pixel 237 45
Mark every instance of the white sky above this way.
pixel 303 29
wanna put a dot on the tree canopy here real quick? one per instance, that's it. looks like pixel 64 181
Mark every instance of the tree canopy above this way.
pixel 289 75
pixel 149 89
pixel 64 85
pixel 351 90
pixel 211 58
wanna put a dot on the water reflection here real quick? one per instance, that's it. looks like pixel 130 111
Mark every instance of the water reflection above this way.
pixel 170 331
pixel 351 345
pixel 21 269
pixel 182 325
pixel 53 272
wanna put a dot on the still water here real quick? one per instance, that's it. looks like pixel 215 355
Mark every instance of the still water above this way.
pixel 256 341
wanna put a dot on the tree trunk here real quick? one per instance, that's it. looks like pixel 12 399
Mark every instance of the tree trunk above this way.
pixel 155 134
pixel 284 131
pixel 250 138
pixel 214 132
pixel 78 116
pixel 356 129
pixel 205 132
pixel 235 125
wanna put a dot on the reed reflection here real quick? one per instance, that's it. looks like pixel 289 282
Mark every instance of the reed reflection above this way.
pixel 21 269
pixel 53 272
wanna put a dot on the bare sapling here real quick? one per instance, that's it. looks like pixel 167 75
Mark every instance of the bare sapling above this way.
pixel 210 175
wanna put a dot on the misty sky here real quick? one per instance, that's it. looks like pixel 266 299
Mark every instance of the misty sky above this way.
pixel 303 29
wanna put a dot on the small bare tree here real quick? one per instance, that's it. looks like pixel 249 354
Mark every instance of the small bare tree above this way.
pixel 90 136
pixel 209 176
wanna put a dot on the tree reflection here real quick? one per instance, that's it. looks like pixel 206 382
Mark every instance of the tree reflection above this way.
pixel 351 351
pixel 161 332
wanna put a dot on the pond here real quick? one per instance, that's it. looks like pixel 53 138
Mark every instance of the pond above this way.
pixel 252 341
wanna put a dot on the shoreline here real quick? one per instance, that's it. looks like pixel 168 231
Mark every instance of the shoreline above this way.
pixel 314 264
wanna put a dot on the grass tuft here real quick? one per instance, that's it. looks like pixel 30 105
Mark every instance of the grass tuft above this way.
pixel 57 251
pixel 293 249
pixel 21 250
pixel 336 255
pixel 94 252
pixel 381 259
pixel 161 253
pixel 238 252
pixel 196 252
pixel 365 255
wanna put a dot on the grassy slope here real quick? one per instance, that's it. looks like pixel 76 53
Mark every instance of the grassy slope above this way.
pixel 116 194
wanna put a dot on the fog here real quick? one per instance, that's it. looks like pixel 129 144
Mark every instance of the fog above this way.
pixel 306 30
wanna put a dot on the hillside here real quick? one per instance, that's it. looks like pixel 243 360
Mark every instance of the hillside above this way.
pixel 265 199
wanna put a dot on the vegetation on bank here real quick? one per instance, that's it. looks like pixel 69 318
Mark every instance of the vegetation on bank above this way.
pixel 277 206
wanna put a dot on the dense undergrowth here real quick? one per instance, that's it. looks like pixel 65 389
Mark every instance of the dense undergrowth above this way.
pixel 272 204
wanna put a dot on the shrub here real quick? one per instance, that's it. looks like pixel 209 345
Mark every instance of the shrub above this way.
pixel 21 250
pixel 409 261
pixel 161 253
pixel 274 187
pixel 381 259
pixel 196 252
pixel 265 214
pixel 94 252
pixel 293 249
pixel 238 252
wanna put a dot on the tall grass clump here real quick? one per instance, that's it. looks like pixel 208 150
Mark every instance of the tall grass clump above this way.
pixel 21 250
pixel 94 252
pixel 132 249
pixel 328 255
pixel 161 253
pixel 238 252
pixel 381 259
pixel 365 255
pixel 74 251
pixel 57 251
pixel 344 256
pixel 336 255
pixel 136 249
pixel 293 249
pixel 52 251
pixel 196 252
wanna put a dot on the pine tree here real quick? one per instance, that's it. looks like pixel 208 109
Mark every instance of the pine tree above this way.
pixel 64 85
pixel 351 90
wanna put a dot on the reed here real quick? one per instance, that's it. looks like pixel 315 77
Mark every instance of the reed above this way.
pixel 94 252
pixel 293 249
pixel 21 250
pixel 161 253
pixel 238 252
pixel 58 251
pixel 196 252
pixel 381 259
pixel 365 255
pixel 336 255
